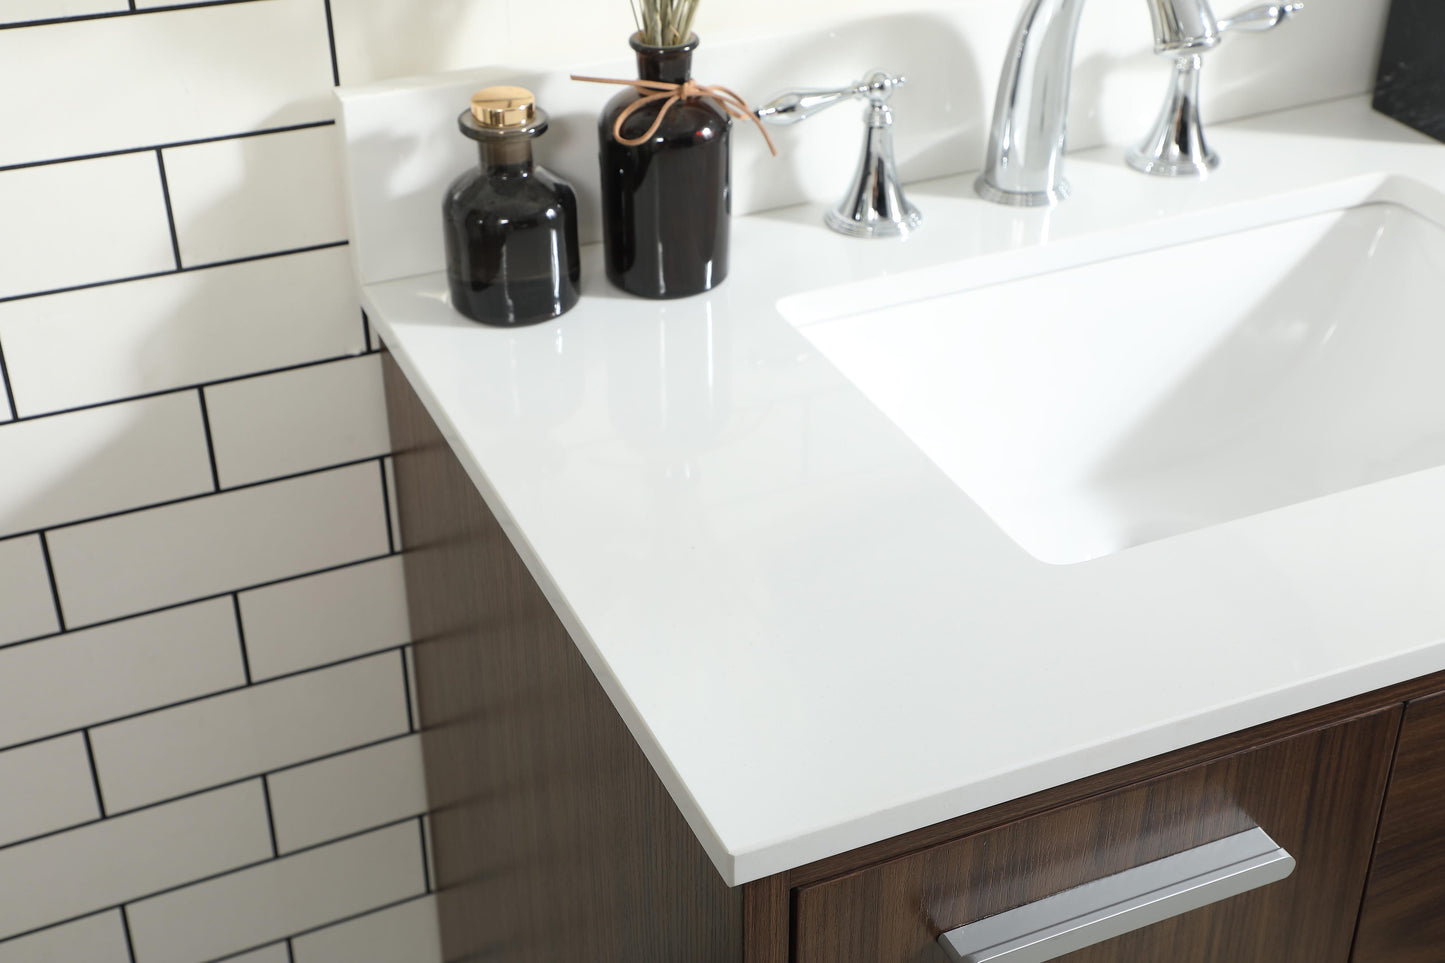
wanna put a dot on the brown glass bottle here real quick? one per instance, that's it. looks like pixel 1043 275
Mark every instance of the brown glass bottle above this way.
pixel 510 225
pixel 666 203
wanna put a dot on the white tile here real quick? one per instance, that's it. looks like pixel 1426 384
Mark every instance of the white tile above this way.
pixel 27 608
pixel 24 11
pixel 5 412
pixel 74 680
pixel 189 550
pixel 116 860
pixel 99 344
pixel 408 933
pixel 348 793
pixel 102 460
pixel 247 732
pixel 45 787
pixel 278 898
pixel 255 195
pixel 379 39
pixel 325 618
pixel 94 939
pixel 275 953
pixel 101 85
pixel 82 222
pixel 298 420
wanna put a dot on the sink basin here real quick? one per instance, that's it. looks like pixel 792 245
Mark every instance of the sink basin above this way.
pixel 1092 406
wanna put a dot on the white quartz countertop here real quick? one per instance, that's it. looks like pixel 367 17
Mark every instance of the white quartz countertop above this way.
pixel 819 640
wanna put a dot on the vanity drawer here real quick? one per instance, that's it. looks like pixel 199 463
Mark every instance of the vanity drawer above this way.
pixel 1318 795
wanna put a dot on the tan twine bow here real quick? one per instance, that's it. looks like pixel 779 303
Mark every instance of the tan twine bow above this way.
pixel 669 94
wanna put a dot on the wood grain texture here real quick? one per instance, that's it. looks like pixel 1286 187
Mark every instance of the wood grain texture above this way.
pixel 554 839
pixel 1112 779
pixel 767 922
pixel 1403 920
pixel 1318 794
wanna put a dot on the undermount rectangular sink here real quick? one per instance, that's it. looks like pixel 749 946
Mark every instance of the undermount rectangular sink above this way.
pixel 1121 399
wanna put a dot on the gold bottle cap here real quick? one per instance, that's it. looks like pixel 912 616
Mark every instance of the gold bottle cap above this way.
pixel 504 107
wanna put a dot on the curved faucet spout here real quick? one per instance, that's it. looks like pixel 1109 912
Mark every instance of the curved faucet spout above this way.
pixel 1024 166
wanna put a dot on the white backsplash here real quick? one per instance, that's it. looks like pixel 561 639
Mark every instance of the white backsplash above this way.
pixel 403 146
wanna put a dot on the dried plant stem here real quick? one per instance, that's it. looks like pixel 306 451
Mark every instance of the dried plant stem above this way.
pixel 666 23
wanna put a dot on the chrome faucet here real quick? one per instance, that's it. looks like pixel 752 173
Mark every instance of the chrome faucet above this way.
pixel 1175 146
pixel 875 205
pixel 1025 159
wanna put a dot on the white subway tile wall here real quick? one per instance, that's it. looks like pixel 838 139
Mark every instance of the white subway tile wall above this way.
pixel 77 679
pixel 27 608
pixel 203 630
pixel 27 11
pixel 308 622
pixel 132 856
pixel 402 934
pixel 193 549
pixel 93 939
pixel 253 195
pixel 283 423
pixel 287 895
pixel 83 222
pixel 100 344
pixel 347 793
pixel 253 730
pixel 102 460
pixel 58 791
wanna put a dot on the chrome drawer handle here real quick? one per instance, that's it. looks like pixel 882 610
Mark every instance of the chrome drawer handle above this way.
pixel 1122 903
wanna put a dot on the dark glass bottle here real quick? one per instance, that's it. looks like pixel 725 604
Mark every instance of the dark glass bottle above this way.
pixel 510 225
pixel 666 203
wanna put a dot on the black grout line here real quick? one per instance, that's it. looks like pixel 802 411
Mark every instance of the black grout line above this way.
pixel 210 441
pixel 180 270
pixel 200 792
pixel 331 39
pixel 10 391
pixel 386 507
pixel 175 143
pixel 290 952
pixel 94 773
pixel 196 601
pixel 112 14
pixel 170 212
pixel 125 925
pixel 365 332
pixel 244 486
pixel 54 585
pixel 406 688
pixel 334 359
pixel 270 814
pixel 241 635
pixel 425 859
pixel 231 872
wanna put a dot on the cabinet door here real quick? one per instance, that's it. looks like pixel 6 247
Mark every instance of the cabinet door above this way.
pixel 1318 795
pixel 1404 915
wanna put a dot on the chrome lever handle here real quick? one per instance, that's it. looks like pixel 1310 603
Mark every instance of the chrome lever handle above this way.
pixel 1127 901
pixel 1260 19
pixel 874 205
pixel 796 106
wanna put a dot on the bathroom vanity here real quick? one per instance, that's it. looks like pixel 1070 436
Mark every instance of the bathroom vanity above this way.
pixel 892 587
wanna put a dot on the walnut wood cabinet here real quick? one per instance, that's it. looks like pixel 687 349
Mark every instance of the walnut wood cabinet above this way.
pixel 1403 920
pixel 554 840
